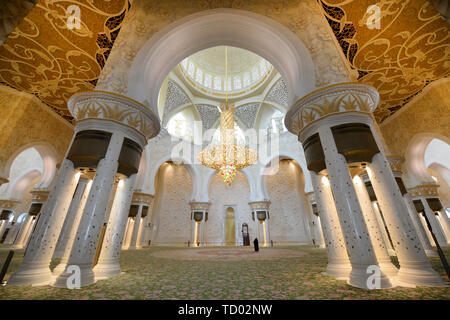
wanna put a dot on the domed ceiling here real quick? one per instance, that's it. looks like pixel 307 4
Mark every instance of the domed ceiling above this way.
pixel 206 70
pixel 196 87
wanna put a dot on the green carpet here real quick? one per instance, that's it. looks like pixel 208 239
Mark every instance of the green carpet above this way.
pixel 148 277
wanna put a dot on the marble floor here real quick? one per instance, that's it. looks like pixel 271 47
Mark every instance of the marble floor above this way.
pixel 293 272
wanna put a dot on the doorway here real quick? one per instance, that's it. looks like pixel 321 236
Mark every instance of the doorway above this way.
pixel 230 227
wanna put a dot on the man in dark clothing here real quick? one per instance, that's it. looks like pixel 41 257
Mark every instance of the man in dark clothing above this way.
pixel 256 244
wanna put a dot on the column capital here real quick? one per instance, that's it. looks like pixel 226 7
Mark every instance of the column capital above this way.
pixel 396 164
pixel 39 195
pixel 199 205
pixel 115 108
pixel 263 204
pixel 331 100
pixel 424 190
pixel 9 204
pixel 141 198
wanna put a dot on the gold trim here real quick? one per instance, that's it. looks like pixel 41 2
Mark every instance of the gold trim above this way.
pixel 116 94
pixel 326 87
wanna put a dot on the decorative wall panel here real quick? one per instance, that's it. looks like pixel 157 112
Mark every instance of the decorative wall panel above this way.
pixel 42 56
pixel 410 49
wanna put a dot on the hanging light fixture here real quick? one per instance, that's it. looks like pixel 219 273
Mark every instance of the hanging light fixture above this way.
pixel 227 157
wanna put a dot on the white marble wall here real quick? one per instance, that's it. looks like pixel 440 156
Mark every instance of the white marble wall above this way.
pixel 288 222
pixel 171 210
pixel 221 197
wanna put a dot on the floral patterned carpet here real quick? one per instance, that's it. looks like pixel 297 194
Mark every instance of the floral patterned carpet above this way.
pixel 156 273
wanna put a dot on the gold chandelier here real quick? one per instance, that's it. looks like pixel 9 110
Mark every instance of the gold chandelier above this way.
pixel 227 157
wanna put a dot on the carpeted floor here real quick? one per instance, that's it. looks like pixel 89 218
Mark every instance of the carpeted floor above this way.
pixel 220 273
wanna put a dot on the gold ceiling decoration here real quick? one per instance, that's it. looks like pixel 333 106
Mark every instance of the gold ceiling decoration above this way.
pixel 409 50
pixel 42 56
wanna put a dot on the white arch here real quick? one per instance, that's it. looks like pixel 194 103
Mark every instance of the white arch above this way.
pixel 210 28
pixel 193 172
pixel 17 187
pixel 416 168
pixel 49 158
pixel 266 171
pixel 248 175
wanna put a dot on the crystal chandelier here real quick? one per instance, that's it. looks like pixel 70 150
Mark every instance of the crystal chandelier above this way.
pixel 227 157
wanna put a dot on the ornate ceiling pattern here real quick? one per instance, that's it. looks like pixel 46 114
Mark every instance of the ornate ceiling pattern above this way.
pixel 42 56
pixel 410 49
pixel 208 114
pixel 247 113
pixel 278 94
pixel 175 97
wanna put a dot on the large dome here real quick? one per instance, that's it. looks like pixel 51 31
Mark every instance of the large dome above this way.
pixel 206 70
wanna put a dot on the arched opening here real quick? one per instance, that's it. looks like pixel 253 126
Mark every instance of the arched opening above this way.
pixel 230 227
pixel 229 27
pixel 290 216
pixel 171 210
pixel 237 197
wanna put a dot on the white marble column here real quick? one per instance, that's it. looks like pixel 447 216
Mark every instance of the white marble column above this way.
pixel 19 242
pixel 72 221
pixel 3 227
pixel 376 236
pixel 12 233
pixel 137 226
pixel 266 232
pixel 29 232
pixel 445 222
pixel 338 263
pixel 34 269
pixel 321 237
pixel 129 231
pixel 422 231
pixel 142 230
pixel 70 218
pixel 415 269
pixel 108 262
pixel 435 225
pixel 91 223
pixel 202 230
pixel 193 231
pixel 384 232
pixel 354 229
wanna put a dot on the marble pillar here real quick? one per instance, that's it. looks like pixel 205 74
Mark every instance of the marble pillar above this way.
pixel 415 269
pixel 137 226
pixel 29 232
pixel 359 246
pixel 108 262
pixel 445 223
pixel 3 227
pixel 373 227
pixel 91 223
pixel 338 263
pixel 72 221
pixel 34 269
pixel 315 227
pixel 128 232
pixel 434 223
pixel 422 230
pixel 19 242
pixel 70 218
pixel 260 211
pixel 384 232
pixel 198 231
